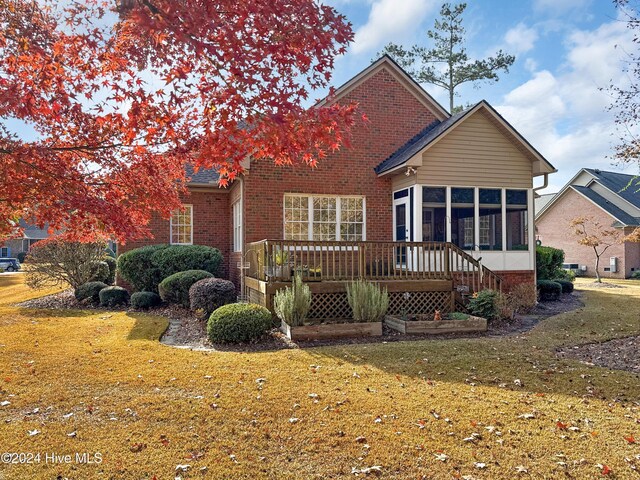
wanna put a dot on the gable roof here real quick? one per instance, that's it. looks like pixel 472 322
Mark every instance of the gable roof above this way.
pixel 616 212
pixel 616 183
pixel 402 76
pixel 439 129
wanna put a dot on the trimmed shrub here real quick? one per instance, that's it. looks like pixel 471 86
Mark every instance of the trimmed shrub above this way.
pixel 113 296
pixel 175 288
pixel 209 294
pixel 367 300
pixel 549 290
pixel 567 286
pixel 549 262
pixel 568 275
pixel 138 268
pixel 111 263
pixel 144 268
pixel 636 274
pixel 484 304
pixel 21 256
pixel 89 290
pixel 238 323
pixel 145 300
pixel 292 304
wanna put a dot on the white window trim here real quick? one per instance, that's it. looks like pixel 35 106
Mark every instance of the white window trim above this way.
pixel 338 215
pixel 190 206
pixel 237 229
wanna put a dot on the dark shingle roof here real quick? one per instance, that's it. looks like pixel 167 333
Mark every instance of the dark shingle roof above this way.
pixel 202 176
pixel 420 141
pixel 607 206
pixel 619 183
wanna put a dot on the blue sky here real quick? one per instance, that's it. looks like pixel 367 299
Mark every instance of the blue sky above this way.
pixel 565 52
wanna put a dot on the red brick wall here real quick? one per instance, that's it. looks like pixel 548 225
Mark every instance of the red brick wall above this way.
pixel 394 114
pixel 553 230
pixel 211 225
pixel 511 278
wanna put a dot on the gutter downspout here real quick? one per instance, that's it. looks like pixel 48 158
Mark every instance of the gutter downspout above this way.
pixel 545 184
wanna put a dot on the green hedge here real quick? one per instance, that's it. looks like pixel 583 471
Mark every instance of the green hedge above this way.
pixel 175 288
pixel 89 290
pixel 567 286
pixel 144 268
pixel 112 296
pixel 238 322
pixel 112 264
pixel 549 262
pixel 145 300
pixel 549 290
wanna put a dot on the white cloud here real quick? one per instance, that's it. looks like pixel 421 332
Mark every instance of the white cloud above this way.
pixel 563 114
pixel 391 20
pixel 520 39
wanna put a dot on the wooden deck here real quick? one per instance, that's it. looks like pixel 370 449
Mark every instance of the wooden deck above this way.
pixel 421 277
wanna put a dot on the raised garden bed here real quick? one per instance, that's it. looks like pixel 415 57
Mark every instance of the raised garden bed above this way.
pixel 328 331
pixel 420 324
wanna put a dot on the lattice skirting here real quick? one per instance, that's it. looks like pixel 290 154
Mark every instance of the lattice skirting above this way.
pixel 336 306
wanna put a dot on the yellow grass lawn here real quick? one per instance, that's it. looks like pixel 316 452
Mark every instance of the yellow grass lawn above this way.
pixel 487 408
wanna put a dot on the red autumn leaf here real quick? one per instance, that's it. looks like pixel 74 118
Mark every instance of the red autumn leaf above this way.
pixel 105 149
pixel 137 447
pixel 561 426
pixel 606 470
pixel 630 439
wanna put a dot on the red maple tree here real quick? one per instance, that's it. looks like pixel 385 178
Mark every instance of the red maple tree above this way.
pixel 120 96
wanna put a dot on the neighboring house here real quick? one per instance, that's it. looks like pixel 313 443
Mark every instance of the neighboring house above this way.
pixel 414 173
pixel 30 235
pixel 608 198
pixel 541 201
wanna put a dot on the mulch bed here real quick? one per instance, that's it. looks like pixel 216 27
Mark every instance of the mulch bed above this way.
pixel 619 354
pixel 187 331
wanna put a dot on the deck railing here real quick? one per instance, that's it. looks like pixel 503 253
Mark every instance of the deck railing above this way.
pixel 278 260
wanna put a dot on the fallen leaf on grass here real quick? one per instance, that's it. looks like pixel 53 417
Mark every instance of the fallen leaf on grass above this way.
pixel 521 469
pixel 137 447
pixel 182 468
pixel 527 416
pixel 377 469
pixel 605 470
pixel 561 426
pixel 5 403
pixel 33 432
pixel 72 434
pixel 480 465
pixel 630 440
pixel 442 457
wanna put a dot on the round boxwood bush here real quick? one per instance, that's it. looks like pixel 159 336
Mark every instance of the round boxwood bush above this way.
pixel 238 323
pixel 111 263
pixel 113 296
pixel 209 294
pixel 145 300
pixel 175 288
pixel 144 268
pixel 90 291
pixel 567 286
pixel 549 290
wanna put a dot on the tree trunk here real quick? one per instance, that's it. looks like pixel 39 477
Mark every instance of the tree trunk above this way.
pixel 598 279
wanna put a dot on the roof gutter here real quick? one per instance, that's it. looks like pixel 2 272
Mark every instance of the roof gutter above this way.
pixel 545 183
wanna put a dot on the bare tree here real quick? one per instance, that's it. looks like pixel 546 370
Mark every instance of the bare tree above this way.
pixel 60 263
pixel 600 238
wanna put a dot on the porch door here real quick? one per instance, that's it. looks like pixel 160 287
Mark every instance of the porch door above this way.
pixel 401 223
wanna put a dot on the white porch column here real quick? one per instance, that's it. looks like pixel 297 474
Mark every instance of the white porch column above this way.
pixel 417 213
pixel 448 219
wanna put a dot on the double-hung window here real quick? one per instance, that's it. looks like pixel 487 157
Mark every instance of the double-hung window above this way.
pixel 323 217
pixel 237 226
pixel 181 226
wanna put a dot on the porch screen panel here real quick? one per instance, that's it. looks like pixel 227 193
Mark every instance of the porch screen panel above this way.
pixel 517 220
pixel 296 217
pixel 490 220
pixel 462 217
pixel 434 214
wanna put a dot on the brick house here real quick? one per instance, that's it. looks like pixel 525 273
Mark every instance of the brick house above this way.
pixel 604 197
pixel 414 175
